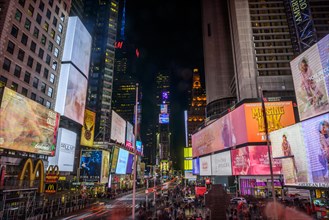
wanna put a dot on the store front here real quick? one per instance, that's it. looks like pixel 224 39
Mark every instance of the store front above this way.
pixel 260 187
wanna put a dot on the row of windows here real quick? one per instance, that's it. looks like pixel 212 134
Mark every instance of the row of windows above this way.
pixel 27 77
pixel 24 91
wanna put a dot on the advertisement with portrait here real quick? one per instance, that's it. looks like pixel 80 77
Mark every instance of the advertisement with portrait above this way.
pixel 323 46
pixel 90 165
pixel 77 48
pixel 130 164
pixel 122 162
pixel 288 145
pixel 65 150
pixel 278 114
pixel 221 164
pixel 205 166
pixel 118 128
pixel 253 160
pixel 115 155
pixel 238 128
pixel 71 93
pixel 27 126
pixel 196 166
pixel 309 80
pixel 105 166
pixel 164 118
pixel 163 109
pixel 316 136
pixel 88 129
pixel 129 135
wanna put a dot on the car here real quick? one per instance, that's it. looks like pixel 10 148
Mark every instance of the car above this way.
pixel 237 200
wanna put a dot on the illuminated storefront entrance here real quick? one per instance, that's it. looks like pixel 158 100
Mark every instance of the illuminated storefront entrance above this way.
pixel 259 187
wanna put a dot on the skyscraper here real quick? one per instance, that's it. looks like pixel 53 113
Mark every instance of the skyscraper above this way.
pixel 32 39
pixel 218 62
pixel 101 22
pixel 196 112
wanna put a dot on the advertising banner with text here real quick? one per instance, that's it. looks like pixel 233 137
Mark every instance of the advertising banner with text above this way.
pixel 205 166
pixel 221 164
pixel 90 165
pixel 196 166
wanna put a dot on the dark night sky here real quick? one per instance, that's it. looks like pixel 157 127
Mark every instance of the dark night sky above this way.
pixel 169 37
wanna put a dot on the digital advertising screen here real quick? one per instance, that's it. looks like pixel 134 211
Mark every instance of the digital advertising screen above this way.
pixel 316 136
pixel 77 48
pixel 129 135
pixel 27 126
pixel 164 118
pixel 118 128
pixel 196 166
pixel 130 164
pixel 221 164
pixel 122 162
pixel 288 145
pixel 205 166
pixel 88 129
pixel 71 93
pixel 105 166
pixel 65 150
pixel 163 109
pixel 253 160
pixel 114 159
pixel 311 81
pixel 278 114
pixel 90 165
pixel 139 146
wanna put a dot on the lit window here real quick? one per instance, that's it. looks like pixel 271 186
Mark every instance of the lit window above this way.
pixel 50 92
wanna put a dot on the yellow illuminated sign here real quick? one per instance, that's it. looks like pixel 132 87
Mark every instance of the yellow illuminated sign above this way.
pixel 188 165
pixel 188 152
pixel 34 172
pixel 88 129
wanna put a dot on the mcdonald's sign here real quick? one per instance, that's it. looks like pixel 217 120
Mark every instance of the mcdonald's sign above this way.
pixel 50 187
pixel 52 174
pixel 33 172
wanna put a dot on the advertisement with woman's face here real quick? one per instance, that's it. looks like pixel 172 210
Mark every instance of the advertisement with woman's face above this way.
pixel 288 144
pixel 76 96
pixel 253 160
pixel 316 136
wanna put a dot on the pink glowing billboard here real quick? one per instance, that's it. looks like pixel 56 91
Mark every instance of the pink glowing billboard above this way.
pixel 253 160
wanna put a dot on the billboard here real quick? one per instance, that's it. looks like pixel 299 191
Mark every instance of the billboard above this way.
pixel 65 150
pixel 278 114
pixel 118 128
pixel 164 118
pixel 27 126
pixel 130 163
pixel 88 129
pixel 221 164
pixel 122 162
pixel 77 48
pixel 163 109
pixel 205 166
pixel 105 166
pixel 288 144
pixel 316 136
pixel 253 160
pixel 90 165
pixel 139 147
pixel 196 166
pixel 114 159
pixel 71 93
pixel 311 81
pixel 129 135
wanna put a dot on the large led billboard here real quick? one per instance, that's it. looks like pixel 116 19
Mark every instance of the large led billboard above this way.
pixel 196 166
pixel 288 144
pixel 105 166
pixel 77 46
pixel 118 128
pixel 130 164
pixel 163 109
pixel 231 130
pixel 88 129
pixel 90 165
pixel 122 162
pixel 115 153
pixel 27 126
pixel 164 118
pixel 253 160
pixel 71 93
pixel 65 150
pixel 316 136
pixel 310 74
pixel 129 135
pixel 221 164
pixel 205 166
pixel 139 147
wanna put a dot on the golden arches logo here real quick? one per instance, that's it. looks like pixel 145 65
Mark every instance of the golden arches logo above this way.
pixel 34 172
pixel 52 174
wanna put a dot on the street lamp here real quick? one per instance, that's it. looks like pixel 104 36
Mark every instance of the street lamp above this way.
pixel 135 156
